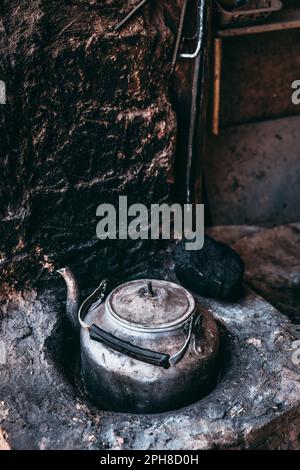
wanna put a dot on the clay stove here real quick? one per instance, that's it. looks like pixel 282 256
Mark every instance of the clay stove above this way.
pixel 256 403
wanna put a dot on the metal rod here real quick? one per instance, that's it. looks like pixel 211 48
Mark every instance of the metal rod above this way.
pixel 194 54
pixel 197 102
pixel 179 35
pixel 130 14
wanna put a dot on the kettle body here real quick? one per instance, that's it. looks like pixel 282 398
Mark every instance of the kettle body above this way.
pixel 148 348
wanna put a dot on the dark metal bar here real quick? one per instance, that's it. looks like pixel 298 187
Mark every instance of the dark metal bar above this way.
pixel 179 35
pixel 197 102
pixel 130 14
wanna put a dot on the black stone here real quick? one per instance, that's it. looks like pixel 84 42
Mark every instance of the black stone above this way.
pixel 215 271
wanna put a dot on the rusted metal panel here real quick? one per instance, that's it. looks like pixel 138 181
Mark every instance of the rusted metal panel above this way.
pixel 257 74
pixel 252 173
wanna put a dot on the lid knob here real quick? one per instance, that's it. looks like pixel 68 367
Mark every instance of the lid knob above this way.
pixel 150 290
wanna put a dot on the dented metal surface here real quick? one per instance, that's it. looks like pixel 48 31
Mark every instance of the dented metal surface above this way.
pixel 255 404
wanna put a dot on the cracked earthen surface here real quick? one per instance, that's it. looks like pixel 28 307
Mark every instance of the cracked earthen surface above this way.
pixel 256 403
pixel 271 256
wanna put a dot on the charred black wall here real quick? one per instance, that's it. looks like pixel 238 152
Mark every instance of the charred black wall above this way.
pixel 87 119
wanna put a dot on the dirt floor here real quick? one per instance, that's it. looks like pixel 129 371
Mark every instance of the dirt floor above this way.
pixel 254 405
pixel 272 259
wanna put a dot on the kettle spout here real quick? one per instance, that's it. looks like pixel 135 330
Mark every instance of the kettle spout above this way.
pixel 73 297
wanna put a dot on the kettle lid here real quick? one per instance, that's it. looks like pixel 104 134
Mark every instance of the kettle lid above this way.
pixel 150 304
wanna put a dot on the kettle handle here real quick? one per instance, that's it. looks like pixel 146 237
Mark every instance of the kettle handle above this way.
pixel 98 295
pixel 141 354
pixel 124 347
pixel 97 334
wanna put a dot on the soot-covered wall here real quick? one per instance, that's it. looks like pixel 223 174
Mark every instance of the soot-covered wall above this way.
pixel 87 118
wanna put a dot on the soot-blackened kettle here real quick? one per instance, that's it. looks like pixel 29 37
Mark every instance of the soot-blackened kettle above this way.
pixel 148 348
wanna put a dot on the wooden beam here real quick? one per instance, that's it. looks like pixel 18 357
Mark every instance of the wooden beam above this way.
pixel 217 85
pixel 280 21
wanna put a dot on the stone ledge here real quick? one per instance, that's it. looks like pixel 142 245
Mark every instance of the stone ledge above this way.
pixel 255 405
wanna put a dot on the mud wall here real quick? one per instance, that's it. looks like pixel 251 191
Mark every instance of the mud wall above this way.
pixel 87 118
